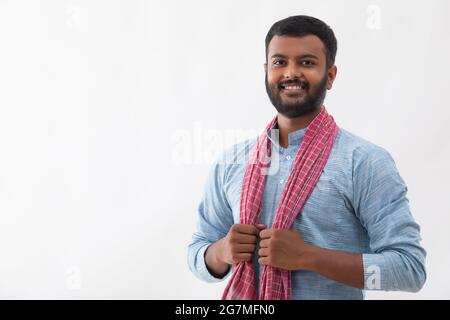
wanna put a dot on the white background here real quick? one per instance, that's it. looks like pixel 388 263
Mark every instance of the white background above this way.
pixel 97 98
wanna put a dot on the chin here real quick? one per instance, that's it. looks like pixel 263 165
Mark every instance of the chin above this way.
pixel 292 102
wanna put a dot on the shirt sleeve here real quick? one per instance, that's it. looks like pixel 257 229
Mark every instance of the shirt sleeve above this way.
pixel 397 260
pixel 215 219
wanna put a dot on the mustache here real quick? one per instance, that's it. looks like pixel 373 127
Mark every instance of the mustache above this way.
pixel 296 82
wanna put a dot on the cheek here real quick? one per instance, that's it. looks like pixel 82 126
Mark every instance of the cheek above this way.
pixel 316 77
pixel 272 78
pixel 311 76
pixel 273 83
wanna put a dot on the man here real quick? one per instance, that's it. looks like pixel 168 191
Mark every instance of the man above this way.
pixel 317 213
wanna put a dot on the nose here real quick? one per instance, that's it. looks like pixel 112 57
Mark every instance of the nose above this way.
pixel 292 72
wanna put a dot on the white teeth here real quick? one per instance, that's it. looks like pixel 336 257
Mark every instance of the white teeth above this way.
pixel 293 88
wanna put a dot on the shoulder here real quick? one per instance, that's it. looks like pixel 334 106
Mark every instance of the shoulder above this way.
pixel 362 152
pixel 237 154
pixel 233 160
pixel 367 158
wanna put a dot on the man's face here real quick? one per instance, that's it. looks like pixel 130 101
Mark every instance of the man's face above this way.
pixel 296 74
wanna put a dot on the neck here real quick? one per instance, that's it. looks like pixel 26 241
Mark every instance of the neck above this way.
pixel 288 125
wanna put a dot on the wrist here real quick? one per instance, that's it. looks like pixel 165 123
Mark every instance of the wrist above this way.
pixel 218 250
pixel 218 253
pixel 213 261
pixel 309 257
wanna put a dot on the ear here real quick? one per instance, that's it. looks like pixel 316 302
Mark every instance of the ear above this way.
pixel 331 74
pixel 265 67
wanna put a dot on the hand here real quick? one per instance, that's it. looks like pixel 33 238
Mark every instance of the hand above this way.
pixel 240 243
pixel 283 249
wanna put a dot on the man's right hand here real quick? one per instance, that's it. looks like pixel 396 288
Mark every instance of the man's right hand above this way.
pixel 239 244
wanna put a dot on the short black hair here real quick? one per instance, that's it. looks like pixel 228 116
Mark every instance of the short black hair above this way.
pixel 299 26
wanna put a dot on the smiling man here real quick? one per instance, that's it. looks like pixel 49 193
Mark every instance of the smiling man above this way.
pixel 307 210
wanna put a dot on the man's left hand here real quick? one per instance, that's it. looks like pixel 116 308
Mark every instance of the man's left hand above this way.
pixel 284 249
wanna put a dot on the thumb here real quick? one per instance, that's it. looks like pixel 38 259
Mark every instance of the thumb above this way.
pixel 260 226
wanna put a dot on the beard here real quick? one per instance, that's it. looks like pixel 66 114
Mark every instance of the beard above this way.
pixel 310 103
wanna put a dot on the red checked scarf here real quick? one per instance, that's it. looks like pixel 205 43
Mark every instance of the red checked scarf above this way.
pixel 308 165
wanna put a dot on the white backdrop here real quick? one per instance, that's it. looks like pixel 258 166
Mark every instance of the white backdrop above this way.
pixel 111 111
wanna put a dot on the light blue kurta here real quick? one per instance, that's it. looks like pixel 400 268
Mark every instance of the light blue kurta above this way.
pixel 359 205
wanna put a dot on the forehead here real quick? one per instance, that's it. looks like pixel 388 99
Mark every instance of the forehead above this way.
pixel 294 46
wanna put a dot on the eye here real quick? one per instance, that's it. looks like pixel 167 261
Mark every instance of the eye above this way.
pixel 307 63
pixel 278 62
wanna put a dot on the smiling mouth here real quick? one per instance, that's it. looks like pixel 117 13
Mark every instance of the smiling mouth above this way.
pixel 292 89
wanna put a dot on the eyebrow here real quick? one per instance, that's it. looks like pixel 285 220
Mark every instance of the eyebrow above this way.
pixel 303 56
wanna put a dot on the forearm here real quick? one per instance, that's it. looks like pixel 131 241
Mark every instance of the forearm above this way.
pixel 213 260
pixel 339 266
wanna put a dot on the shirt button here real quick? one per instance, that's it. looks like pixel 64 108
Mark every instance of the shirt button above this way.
pixel 288 157
pixel 281 181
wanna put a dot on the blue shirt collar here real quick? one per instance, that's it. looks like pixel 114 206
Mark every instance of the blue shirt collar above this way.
pixel 294 137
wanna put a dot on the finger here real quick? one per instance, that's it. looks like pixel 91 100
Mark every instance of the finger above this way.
pixel 263 252
pixel 263 261
pixel 260 226
pixel 242 257
pixel 264 243
pixel 265 234
pixel 246 229
pixel 245 238
pixel 246 248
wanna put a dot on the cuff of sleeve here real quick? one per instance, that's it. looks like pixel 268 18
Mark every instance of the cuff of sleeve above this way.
pixel 376 275
pixel 203 269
